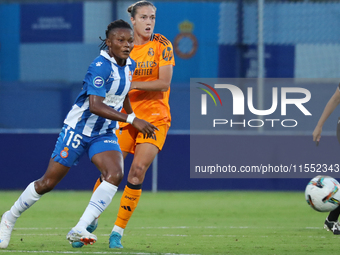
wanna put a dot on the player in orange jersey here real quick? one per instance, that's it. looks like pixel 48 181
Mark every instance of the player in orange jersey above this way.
pixel 331 222
pixel 149 99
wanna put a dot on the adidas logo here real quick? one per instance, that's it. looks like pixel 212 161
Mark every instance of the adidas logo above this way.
pixel 128 208
pixel 154 137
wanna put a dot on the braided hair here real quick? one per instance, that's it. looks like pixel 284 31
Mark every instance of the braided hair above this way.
pixel 113 25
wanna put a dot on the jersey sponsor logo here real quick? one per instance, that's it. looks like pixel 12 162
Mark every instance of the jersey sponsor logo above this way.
pixel 167 54
pixel 98 82
pixel 113 99
pixel 64 153
pixel 99 63
pixel 143 72
pixel 151 52
pixel 146 64
pixel 144 68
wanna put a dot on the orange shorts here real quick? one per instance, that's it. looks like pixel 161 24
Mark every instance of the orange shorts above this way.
pixel 129 137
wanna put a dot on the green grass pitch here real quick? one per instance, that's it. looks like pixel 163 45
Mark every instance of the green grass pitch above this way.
pixel 226 222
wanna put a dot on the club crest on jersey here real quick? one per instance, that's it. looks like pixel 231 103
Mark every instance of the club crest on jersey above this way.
pixel 151 52
pixel 130 76
pixel 64 153
pixel 98 82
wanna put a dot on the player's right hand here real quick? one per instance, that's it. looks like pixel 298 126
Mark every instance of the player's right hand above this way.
pixel 144 127
pixel 317 134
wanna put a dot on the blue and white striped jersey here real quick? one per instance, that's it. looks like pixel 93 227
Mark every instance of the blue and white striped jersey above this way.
pixel 106 79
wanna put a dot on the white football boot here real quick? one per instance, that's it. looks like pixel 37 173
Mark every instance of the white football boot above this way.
pixel 6 228
pixel 81 235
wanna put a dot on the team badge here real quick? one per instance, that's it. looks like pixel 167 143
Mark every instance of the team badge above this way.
pixel 151 52
pixel 64 153
pixel 98 82
pixel 130 76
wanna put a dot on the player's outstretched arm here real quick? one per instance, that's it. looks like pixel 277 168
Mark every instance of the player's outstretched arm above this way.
pixel 329 108
pixel 161 84
pixel 99 108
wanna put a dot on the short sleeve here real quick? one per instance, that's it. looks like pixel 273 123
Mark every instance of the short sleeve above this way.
pixel 96 77
pixel 167 54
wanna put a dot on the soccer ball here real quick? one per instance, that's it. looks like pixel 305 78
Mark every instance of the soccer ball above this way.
pixel 323 193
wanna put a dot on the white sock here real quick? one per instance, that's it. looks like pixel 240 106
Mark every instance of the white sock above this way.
pixel 25 201
pixel 100 200
pixel 119 230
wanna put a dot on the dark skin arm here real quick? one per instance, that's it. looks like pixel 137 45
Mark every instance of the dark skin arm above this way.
pixel 99 108
pixel 127 105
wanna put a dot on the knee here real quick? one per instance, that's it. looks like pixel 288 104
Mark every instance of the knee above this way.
pixel 113 177
pixel 43 186
pixel 137 173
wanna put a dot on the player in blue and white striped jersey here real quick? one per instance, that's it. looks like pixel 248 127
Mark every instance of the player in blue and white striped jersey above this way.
pixel 106 79
pixel 89 127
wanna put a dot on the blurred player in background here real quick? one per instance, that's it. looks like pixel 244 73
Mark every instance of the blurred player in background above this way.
pixel 149 98
pixel 89 127
pixel 331 222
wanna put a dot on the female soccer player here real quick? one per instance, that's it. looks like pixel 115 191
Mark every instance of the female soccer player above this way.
pixel 153 54
pixel 331 222
pixel 149 98
pixel 89 127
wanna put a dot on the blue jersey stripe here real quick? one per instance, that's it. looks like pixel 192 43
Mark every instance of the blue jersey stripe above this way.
pixel 81 124
pixel 99 124
pixel 122 80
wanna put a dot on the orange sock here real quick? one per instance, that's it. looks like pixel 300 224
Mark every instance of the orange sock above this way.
pixel 128 204
pixel 99 181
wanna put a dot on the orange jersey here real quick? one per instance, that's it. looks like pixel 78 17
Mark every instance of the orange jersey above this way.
pixel 152 106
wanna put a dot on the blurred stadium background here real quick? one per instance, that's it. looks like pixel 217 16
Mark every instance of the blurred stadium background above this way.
pixel 46 47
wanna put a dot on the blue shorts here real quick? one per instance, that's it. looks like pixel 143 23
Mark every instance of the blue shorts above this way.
pixel 71 146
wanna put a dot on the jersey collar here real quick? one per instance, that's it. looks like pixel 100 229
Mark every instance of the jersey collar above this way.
pixel 107 56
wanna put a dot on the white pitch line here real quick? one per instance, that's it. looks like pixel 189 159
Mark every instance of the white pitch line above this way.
pixel 176 227
pixel 79 252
